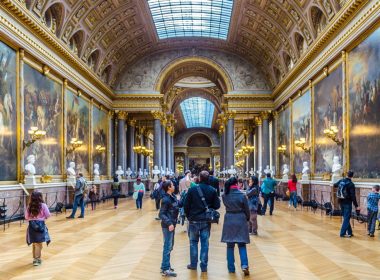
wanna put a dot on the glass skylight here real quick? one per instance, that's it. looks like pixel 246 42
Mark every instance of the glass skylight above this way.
pixel 191 18
pixel 198 112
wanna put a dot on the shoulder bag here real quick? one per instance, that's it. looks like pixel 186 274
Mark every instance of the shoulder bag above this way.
pixel 212 216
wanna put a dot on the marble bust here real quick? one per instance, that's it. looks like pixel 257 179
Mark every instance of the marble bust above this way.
pixel 305 171
pixel 167 171
pixel 267 170
pixel 30 170
pixel 156 173
pixel 140 173
pixel 71 170
pixel 96 172
pixel 231 171
pixel 336 170
pixel 260 172
pixel 145 174
pixel 162 171
pixel 251 172
pixel 285 172
pixel 119 172
pixel 129 173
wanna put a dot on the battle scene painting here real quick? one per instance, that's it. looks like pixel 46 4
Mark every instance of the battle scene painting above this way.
pixel 284 137
pixel 328 112
pixel 302 129
pixel 78 127
pixel 100 128
pixel 43 109
pixel 8 128
pixel 364 100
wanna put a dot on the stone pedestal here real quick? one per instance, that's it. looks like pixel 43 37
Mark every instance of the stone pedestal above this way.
pixel 305 177
pixel 335 178
pixel 71 180
pixel 96 178
pixel 30 180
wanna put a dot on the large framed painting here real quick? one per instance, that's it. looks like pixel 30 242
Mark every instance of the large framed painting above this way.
pixel 328 111
pixel 78 128
pixel 100 147
pixel 301 116
pixel 8 125
pixel 284 137
pixel 364 111
pixel 43 109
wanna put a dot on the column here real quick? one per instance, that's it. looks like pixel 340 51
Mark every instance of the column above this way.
pixel 157 139
pixel 121 140
pixel 275 144
pixel 141 156
pixel 131 143
pixel 222 147
pixel 256 140
pixel 259 144
pixel 111 156
pixel 265 139
pixel 230 135
pixel 146 144
pixel 186 167
pixel 225 147
pixel 345 148
pixel 172 151
pixel 168 148
pixel 251 156
pixel 163 144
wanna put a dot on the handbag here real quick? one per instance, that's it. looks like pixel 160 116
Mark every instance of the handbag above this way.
pixel 212 216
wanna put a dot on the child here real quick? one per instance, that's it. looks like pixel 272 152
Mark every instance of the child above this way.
pixel 373 209
pixel 253 203
pixel 37 233
pixel 93 197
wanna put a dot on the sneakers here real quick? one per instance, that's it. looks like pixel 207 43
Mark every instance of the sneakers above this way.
pixel 371 235
pixel 36 262
pixel 191 267
pixel 80 217
pixel 169 273
pixel 245 270
pixel 70 217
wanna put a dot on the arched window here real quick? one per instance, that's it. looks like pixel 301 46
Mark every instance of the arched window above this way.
pixel 76 42
pixel 53 17
pixel 93 59
pixel 300 43
pixel 318 19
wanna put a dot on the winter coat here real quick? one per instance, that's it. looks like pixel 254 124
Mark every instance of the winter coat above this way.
pixel 235 226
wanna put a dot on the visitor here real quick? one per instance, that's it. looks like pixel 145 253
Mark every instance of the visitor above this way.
pixel 168 215
pixel 240 184
pixel 373 209
pixel 195 181
pixel 37 232
pixel 292 186
pixel 116 188
pixel 254 204
pixel 235 226
pixel 184 183
pixel 199 227
pixel 346 197
pixel 214 182
pixel 93 196
pixel 267 190
pixel 156 193
pixel 138 192
pixel 80 192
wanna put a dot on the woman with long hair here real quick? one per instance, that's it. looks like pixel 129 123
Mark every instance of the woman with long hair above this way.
pixel 37 233
pixel 235 226
pixel 292 186
pixel 254 203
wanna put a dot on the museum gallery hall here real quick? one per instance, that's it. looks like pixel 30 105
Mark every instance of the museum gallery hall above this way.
pixel 111 111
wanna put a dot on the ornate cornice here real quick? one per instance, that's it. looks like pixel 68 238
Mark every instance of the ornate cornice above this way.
pixel 156 115
pixel 230 114
pixel 265 115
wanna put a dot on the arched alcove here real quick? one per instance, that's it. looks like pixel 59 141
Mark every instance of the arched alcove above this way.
pixel 199 140
pixel 300 43
pixel 76 42
pixel 287 61
pixel 106 74
pixel 277 74
pixel 54 18
pixel 318 19
pixel 93 59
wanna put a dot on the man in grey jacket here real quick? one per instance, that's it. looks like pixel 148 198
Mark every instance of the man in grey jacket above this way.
pixel 80 189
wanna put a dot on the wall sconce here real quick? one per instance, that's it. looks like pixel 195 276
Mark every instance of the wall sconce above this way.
pixel 332 133
pixel 100 148
pixel 302 144
pixel 35 135
pixel 281 149
pixel 75 144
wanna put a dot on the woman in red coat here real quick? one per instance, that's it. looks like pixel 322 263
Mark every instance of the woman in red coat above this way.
pixel 292 186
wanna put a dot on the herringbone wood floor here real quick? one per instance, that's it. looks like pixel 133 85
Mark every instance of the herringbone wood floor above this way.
pixel 127 243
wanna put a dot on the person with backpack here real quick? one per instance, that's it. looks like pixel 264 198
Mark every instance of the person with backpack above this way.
pixel 254 203
pixel 267 190
pixel 235 226
pixel 115 190
pixel 80 192
pixel 346 197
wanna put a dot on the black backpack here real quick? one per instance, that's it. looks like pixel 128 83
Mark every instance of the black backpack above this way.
pixel 342 191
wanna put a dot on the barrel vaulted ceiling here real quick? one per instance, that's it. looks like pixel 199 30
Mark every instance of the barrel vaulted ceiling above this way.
pixel 110 35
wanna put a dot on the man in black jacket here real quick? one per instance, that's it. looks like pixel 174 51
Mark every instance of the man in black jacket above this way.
pixel 214 182
pixel 348 188
pixel 199 228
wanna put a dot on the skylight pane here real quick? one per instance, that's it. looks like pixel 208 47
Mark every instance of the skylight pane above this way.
pixel 197 112
pixel 189 18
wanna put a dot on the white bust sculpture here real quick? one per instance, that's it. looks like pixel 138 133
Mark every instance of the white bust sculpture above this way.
pixel 129 173
pixel 267 170
pixel 119 172
pixel 156 173
pixel 273 171
pixel 251 172
pixel 140 173
pixel 260 172
pixel 305 171
pixel 162 171
pixel 231 171
pixel 30 170
pixel 145 174
pixel 336 170
pixel 285 172
pixel 96 172
pixel 71 170
pixel 167 171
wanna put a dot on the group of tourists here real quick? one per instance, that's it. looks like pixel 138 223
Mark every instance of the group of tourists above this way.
pixel 199 202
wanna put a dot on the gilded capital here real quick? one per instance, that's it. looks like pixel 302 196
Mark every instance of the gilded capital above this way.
pixel 132 122
pixel 22 53
pixel 121 115
pixel 164 121
pixel 111 113
pixel 258 121
pixel 231 115
pixel 275 115
pixel 344 55
pixel 265 115
pixel 156 115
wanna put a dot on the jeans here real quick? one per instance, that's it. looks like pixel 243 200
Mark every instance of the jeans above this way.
pixel 139 200
pixel 372 216
pixel 168 247
pixel 199 230
pixel 158 200
pixel 270 198
pixel 79 199
pixel 93 204
pixel 293 199
pixel 231 256
pixel 346 213
pixel 115 200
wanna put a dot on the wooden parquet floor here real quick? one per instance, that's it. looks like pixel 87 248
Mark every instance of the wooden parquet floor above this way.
pixel 127 244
